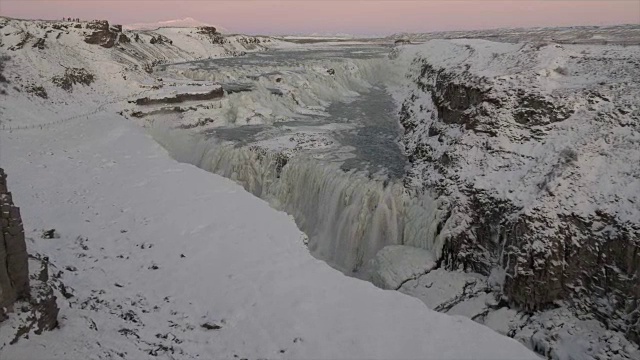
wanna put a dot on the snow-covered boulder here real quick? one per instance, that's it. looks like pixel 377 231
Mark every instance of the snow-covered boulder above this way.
pixel 395 264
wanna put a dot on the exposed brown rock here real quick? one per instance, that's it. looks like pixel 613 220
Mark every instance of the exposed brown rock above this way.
pixel 42 307
pixel 73 76
pixel 14 267
pixel 123 39
pixel 207 30
pixel 39 44
pixel 38 90
pixel 98 25
pixel 213 94
pixel 24 38
pixel 104 38
pixel 104 35
pixel 212 33
pixel 160 40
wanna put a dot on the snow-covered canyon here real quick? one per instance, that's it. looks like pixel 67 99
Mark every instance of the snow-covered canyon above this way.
pixel 492 132
pixel 403 166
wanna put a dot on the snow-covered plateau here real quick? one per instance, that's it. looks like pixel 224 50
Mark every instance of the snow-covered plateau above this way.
pixel 189 194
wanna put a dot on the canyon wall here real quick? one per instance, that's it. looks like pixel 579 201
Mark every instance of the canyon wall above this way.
pixel 537 158
pixel 14 271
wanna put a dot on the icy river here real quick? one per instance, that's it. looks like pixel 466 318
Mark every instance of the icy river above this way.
pixel 360 130
pixel 316 134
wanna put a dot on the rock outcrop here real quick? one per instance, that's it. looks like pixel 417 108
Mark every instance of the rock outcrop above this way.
pixel 130 49
pixel 14 268
pixel 217 92
pixel 212 34
pixel 37 308
pixel 160 40
pixel 105 35
pixel 539 165
pixel 102 34
pixel 73 76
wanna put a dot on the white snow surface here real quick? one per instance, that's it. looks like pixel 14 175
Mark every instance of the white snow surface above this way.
pixel 187 22
pixel 396 264
pixel 161 248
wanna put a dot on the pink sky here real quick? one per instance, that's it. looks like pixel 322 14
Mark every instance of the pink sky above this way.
pixel 335 16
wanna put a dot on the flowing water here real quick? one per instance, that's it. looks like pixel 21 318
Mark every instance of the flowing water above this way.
pixel 327 151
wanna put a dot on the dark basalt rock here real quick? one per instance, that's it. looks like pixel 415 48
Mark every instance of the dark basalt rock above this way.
pixel 249 40
pixel 209 30
pixel 213 94
pixel 14 267
pixel 73 76
pixel 38 91
pixel 105 35
pixel 100 25
pixel 457 101
pixel 104 38
pixel 42 305
pixel 123 39
pixel 160 40
pixel 535 110
pixel 39 44
pixel 212 33
pixel 26 36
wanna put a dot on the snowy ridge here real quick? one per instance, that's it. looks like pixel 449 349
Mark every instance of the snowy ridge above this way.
pixel 187 22
pixel 51 47
pixel 598 35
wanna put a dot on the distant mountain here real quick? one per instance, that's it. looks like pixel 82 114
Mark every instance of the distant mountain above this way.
pixel 186 23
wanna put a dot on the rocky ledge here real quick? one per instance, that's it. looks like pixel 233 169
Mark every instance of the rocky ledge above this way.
pixel 216 92
pixel 104 35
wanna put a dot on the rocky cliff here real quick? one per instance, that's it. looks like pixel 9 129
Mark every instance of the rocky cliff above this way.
pixel 14 270
pixel 534 149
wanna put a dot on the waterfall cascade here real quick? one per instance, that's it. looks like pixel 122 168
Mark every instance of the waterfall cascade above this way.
pixel 347 215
